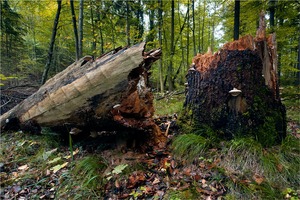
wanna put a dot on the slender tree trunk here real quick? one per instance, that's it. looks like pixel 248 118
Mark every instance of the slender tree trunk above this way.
pixel 80 28
pixel 127 24
pixel 298 64
pixel 199 32
pixel 194 37
pixel 100 28
pixel 279 55
pixel 75 28
pixel 203 22
pixel 140 24
pixel 172 48
pixel 50 51
pixel 94 43
pixel 236 19
pixel 112 31
pixel 188 37
pixel 212 44
pixel 150 36
pixel 160 23
pixel 272 14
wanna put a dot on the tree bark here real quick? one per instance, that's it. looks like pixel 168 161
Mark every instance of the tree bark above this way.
pixel 75 29
pixel 80 28
pixel 127 24
pixel 94 43
pixel 100 28
pixel 172 48
pixel 92 95
pixel 298 64
pixel 235 91
pixel 188 36
pixel 236 19
pixel 194 37
pixel 50 51
pixel 272 14
pixel 160 23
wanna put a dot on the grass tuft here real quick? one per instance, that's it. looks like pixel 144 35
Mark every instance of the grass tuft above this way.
pixel 189 146
pixel 89 170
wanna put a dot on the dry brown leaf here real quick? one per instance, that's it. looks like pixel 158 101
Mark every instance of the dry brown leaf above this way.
pixel 258 179
pixel 23 168
pixel 279 167
pixel 117 184
pixel 156 181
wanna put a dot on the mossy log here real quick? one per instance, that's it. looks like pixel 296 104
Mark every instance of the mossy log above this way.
pixel 93 94
pixel 235 91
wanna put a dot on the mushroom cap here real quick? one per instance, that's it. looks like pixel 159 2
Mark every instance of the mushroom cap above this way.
pixel 235 92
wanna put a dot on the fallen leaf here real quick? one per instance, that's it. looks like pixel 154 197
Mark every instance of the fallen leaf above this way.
pixel 123 196
pixel 208 198
pixel 245 181
pixel 117 184
pixel 58 167
pixel 279 167
pixel 74 153
pixel 15 174
pixel 48 172
pixel 173 164
pixel 156 181
pixel 197 177
pixel 16 189
pixel 213 189
pixel 258 179
pixel 48 153
pixel 54 160
pixel 23 168
pixel 118 169
pixel 187 171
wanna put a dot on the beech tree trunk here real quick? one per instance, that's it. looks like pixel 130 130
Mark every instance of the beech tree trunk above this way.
pixel 75 28
pixel 250 66
pixel 92 94
pixel 50 51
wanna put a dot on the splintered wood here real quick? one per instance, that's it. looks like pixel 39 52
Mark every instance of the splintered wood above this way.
pixel 92 94
pixel 265 46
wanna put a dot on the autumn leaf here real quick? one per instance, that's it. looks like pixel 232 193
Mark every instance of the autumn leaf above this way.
pixel 54 160
pixel 118 169
pixel 58 167
pixel 258 179
pixel 23 168
pixel 74 153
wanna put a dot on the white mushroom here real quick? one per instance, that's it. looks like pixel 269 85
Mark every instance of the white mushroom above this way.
pixel 235 92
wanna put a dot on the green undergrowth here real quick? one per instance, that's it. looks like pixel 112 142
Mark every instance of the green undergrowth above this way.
pixel 168 104
pixel 252 172
pixel 291 99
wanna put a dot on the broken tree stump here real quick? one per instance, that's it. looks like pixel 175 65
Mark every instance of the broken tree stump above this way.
pixel 235 91
pixel 91 94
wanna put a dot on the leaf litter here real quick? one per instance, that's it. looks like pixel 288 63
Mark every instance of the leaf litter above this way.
pixel 159 172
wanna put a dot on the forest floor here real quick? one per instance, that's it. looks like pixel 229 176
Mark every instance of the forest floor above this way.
pixel 49 166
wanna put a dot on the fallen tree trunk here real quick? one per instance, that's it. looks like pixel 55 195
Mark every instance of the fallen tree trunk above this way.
pixel 91 93
pixel 235 90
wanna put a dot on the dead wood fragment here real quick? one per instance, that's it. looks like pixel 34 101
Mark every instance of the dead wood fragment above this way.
pixel 93 94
